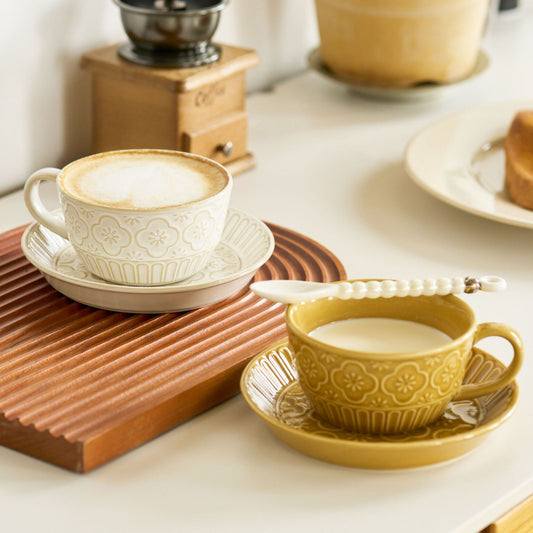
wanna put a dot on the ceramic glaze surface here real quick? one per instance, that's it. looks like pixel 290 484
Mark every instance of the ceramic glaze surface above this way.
pixel 380 392
pixel 293 408
pixel 380 395
pixel 140 248
pixel 246 244
pixel 401 42
pixel 469 175
pixel 386 91
pixel 270 387
pixel 149 244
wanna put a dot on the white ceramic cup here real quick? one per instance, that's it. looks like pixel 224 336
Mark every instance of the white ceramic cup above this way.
pixel 137 244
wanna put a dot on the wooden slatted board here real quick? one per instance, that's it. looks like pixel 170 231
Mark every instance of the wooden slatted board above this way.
pixel 80 386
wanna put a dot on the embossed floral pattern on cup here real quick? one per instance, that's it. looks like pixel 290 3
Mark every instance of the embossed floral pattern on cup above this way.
pixel 79 230
pixel 387 393
pixel 199 230
pixel 353 381
pixel 385 386
pixel 146 248
pixel 271 387
pixel 109 234
pixel 405 383
pixel 157 237
pixel 139 246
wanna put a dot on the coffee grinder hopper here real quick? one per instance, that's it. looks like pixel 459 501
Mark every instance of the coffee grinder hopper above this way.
pixel 170 33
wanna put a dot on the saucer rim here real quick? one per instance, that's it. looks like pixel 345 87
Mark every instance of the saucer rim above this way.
pixel 468 435
pixel 145 289
pixel 504 111
pixel 314 60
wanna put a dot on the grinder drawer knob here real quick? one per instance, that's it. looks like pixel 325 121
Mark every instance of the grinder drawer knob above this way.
pixel 226 149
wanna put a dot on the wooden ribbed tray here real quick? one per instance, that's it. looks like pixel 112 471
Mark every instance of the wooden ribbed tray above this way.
pixel 80 386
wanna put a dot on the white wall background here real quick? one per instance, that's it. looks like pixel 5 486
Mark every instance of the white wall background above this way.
pixel 45 97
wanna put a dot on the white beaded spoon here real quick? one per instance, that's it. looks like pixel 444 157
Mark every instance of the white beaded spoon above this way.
pixel 290 291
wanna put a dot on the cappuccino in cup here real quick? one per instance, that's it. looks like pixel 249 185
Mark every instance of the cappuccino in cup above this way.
pixel 138 217
pixel 140 181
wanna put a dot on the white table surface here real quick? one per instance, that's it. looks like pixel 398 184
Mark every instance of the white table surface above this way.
pixel 329 166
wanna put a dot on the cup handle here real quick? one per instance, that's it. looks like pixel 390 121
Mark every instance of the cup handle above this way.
pixel 35 205
pixel 492 329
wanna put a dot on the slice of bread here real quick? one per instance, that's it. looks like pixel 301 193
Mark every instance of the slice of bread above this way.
pixel 519 159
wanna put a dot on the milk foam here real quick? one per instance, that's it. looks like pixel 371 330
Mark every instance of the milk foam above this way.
pixel 380 335
pixel 144 181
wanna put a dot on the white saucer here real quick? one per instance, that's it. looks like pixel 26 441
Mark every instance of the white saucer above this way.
pixel 247 243
pixel 460 160
pixel 412 93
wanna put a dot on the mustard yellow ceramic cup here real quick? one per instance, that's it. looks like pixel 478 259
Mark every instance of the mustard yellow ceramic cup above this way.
pixel 371 392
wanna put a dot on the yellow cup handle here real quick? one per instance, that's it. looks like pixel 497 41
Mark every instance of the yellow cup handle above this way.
pixel 492 329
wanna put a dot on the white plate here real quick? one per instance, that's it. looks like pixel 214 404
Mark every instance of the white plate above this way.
pixel 460 160
pixel 423 91
pixel 246 245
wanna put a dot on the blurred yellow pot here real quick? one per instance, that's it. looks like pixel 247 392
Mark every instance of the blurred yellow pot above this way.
pixel 401 42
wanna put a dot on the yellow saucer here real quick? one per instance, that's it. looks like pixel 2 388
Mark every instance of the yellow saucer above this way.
pixel 270 386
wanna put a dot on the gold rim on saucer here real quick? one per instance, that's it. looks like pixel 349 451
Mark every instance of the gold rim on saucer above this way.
pixel 270 386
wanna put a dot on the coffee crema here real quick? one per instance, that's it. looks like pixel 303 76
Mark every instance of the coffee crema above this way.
pixel 141 180
pixel 380 335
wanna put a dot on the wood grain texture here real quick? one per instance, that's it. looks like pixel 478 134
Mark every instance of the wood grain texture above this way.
pixel 190 109
pixel 80 386
pixel 210 140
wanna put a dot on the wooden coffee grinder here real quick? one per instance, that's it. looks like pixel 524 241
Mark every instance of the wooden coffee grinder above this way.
pixel 170 87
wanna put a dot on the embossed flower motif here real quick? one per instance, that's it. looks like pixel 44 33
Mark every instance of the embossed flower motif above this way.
pixel 328 358
pixel 309 370
pixel 379 366
pixel 199 230
pixel 432 361
pixel 426 397
pixel 406 381
pixel 86 213
pixel 135 255
pixel 178 252
pixel 132 220
pixel 353 381
pixel 447 374
pixel 183 218
pixel 330 394
pixel 91 247
pixel 110 235
pixel 445 377
pixel 157 237
pixel 78 229
pixel 379 402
